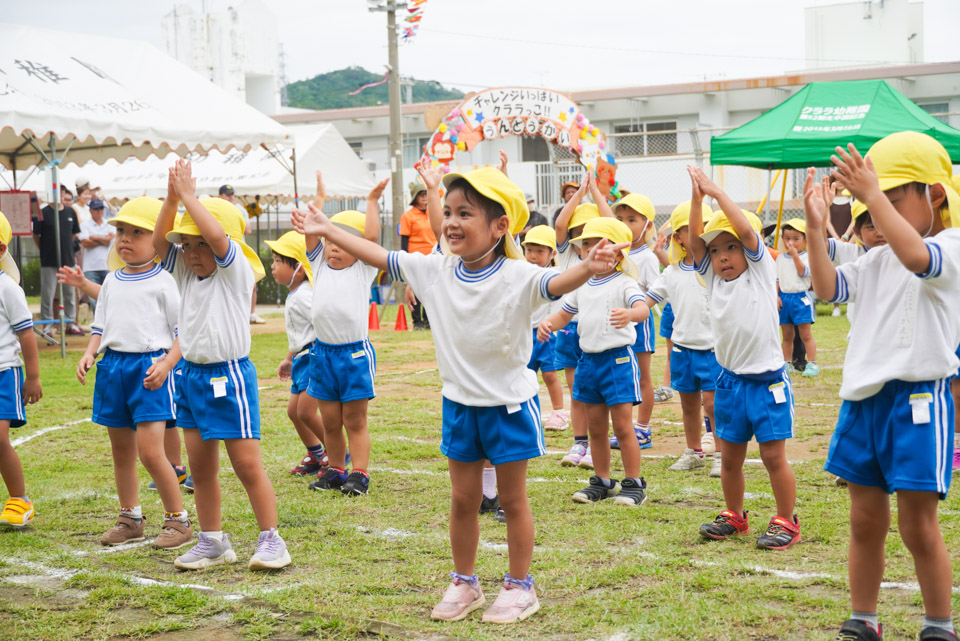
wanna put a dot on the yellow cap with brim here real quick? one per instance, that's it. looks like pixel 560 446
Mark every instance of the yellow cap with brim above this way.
pixel 857 209
pixel 680 218
pixel 351 221
pixel 582 214
pixel 7 263
pixel 796 224
pixel 293 245
pixel 910 156
pixel 230 220
pixel 719 224
pixel 617 233
pixel 493 184
pixel 541 235
pixel 643 206
pixel 140 212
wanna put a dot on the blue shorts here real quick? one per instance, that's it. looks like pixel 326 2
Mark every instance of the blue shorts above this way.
pixel 11 397
pixel 342 373
pixel 693 370
pixel 500 434
pixel 666 321
pixel 219 399
pixel 543 358
pixel 608 378
pixel 567 350
pixel 300 373
pixel 901 438
pixel 646 336
pixel 753 406
pixel 797 309
pixel 119 397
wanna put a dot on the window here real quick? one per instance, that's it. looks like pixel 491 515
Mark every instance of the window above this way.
pixel 937 109
pixel 646 142
pixel 413 150
pixel 534 149
pixel 357 146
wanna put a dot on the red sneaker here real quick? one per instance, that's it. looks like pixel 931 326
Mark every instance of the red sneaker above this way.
pixel 727 524
pixel 780 534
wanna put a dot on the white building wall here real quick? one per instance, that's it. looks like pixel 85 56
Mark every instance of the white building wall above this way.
pixel 856 34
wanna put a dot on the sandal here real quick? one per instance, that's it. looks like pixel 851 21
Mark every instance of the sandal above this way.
pixel 662 394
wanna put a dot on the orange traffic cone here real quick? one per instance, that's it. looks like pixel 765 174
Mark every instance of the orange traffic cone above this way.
pixel 401 325
pixel 374 321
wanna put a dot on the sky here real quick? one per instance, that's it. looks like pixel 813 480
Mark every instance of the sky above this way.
pixel 560 44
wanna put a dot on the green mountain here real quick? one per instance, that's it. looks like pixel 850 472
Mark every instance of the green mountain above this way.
pixel 331 90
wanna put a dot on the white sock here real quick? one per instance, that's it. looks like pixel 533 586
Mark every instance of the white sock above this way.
pixel 216 535
pixel 489 482
pixel 132 512
pixel 176 516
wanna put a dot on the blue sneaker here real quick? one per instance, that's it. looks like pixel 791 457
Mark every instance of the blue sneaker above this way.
pixel 644 439
pixel 181 471
pixel 188 484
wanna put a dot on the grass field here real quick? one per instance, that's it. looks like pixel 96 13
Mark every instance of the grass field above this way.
pixel 376 565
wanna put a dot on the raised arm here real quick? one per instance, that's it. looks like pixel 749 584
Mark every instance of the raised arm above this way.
pixel 698 248
pixel 73 276
pixel 168 214
pixel 563 218
pixel 858 175
pixel 746 233
pixel 371 227
pixel 314 224
pixel 432 179
pixel 211 230
pixel 602 258
pixel 321 196
pixel 822 272
pixel 598 196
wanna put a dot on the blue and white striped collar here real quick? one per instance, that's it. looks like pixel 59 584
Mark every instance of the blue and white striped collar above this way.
pixel 469 276
pixel 594 281
pixel 150 273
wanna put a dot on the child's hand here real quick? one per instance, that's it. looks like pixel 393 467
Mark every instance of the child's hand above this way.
pixel 584 185
pixel 72 276
pixel 183 181
pixel 792 250
pixel 619 318
pixel 593 187
pixel 321 188
pixel 502 165
pixel 171 190
pixel 706 186
pixel 696 195
pixel 285 369
pixel 32 391
pixel 157 374
pixel 779 303
pixel 408 296
pixel 544 330
pixel 855 173
pixel 310 223
pixel 603 256
pixel 377 191
pixel 86 362
pixel 661 244
pixel 432 176
pixel 814 202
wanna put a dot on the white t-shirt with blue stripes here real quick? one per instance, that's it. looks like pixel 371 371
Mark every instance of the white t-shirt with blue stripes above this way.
pixel 15 317
pixel 137 313
pixel 594 301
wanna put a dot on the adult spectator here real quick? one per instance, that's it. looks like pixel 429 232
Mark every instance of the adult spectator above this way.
pixel 536 218
pixel 44 235
pixel 567 190
pixel 95 238
pixel 417 236
pixel 227 193
pixel 85 193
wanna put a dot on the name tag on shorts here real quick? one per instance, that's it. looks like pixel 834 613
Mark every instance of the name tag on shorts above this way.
pixel 623 359
pixel 677 349
pixel 779 391
pixel 359 354
pixel 920 406
pixel 806 301
pixel 219 386
pixel 513 409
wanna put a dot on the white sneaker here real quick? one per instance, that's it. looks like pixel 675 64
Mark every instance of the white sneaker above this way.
pixel 835 312
pixel 574 456
pixel 587 461
pixel 690 460
pixel 708 444
pixel 715 467
pixel 256 320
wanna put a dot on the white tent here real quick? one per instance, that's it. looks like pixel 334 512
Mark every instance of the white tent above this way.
pixel 258 171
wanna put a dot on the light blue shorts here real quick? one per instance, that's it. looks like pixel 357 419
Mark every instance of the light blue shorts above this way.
pixel 119 397
pixel 11 397
pixel 796 309
pixel 608 378
pixel 219 399
pixel 342 373
pixel 500 434
pixel 753 406
pixel 693 370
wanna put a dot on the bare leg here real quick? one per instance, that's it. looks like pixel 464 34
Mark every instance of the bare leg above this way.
pixel 245 457
pixel 512 484
pixel 645 408
pixel 599 438
pixel 307 408
pixel 774 456
pixel 10 467
pixel 731 474
pixel 354 415
pixel 123 443
pixel 708 410
pixel 204 458
pixel 466 480
pixel 869 524
pixel 806 335
pixel 554 389
pixel 920 530
pixel 786 344
pixel 578 412
pixel 333 438
pixel 171 446
pixel 150 444
pixel 690 405
pixel 307 437
pixel 629 448
pixel 666 370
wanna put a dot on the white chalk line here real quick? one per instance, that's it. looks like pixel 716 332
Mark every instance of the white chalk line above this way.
pixel 24 439
pixel 419 371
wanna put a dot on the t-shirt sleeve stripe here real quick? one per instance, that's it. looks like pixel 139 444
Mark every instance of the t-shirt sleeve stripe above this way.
pixel 315 254
pixel 170 261
pixel 655 298
pixel 22 325
pixel 832 248
pixel 936 262
pixel 702 267
pixel 229 257
pixel 636 298
pixel 570 309
pixel 544 284
pixel 393 267
pixel 761 250
pixel 841 293
pixel 562 247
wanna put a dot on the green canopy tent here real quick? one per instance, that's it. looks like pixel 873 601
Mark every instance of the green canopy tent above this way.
pixel 804 130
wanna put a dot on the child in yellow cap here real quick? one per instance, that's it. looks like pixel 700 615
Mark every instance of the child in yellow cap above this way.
pixel 753 396
pixel 216 391
pixel 481 295
pixel 607 381
pixel 794 301
pixel 135 329
pixel 16 339
pixel 343 362
pixel 291 269
pixel 894 430
pixel 569 224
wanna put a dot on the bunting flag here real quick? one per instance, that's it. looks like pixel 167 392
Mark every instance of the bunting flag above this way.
pixel 415 15
pixel 386 77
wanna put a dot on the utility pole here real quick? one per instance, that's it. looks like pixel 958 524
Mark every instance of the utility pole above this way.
pixel 393 91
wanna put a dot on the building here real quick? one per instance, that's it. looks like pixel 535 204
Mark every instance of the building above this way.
pixel 877 32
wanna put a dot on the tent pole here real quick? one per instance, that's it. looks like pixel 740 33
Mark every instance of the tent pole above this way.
pixel 55 205
pixel 783 193
pixel 770 181
pixel 296 192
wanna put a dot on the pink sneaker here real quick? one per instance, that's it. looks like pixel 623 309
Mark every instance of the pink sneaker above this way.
pixel 587 461
pixel 461 598
pixel 956 459
pixel 574 456
pixel 517 601
pixel 557 421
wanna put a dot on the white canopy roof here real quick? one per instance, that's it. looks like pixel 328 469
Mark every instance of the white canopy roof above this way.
pixel 249 173
pixel 113 98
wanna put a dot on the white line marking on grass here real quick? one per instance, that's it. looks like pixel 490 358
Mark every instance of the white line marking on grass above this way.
pixel 118 548
pixel 393 470
pixel 263 387
pixel 419 371
pixel 390 533
pixel 24 439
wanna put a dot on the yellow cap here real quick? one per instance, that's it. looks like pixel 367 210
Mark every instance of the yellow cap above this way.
pixel 351 221
pixel 494 185
pixel 541 235
pixel 140 212
pixel 293 245
pixel 583 213
pixel 719 224
pixel 796 224
pixel 679 219
pixel 230 220
pixel 7 263
pixel 617 233
pixel 857 209
pixel 638 203
pixel 910 156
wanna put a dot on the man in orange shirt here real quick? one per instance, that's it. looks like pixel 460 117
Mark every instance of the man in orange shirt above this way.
pixel 417 236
